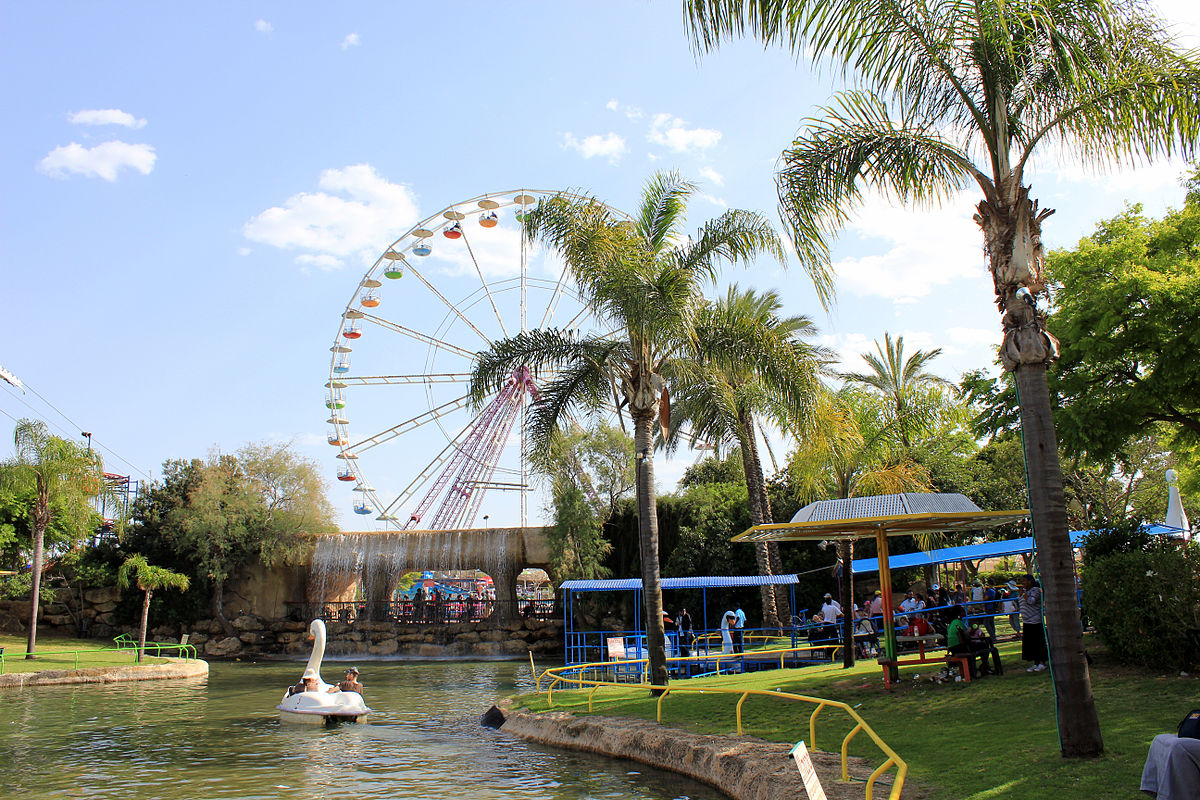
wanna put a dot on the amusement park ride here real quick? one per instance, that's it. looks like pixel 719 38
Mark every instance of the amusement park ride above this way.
pixel 450 297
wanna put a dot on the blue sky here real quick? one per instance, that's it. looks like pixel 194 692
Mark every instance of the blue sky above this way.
pixel 194 192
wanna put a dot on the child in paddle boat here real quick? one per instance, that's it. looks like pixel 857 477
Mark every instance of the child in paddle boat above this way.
pixel 308 683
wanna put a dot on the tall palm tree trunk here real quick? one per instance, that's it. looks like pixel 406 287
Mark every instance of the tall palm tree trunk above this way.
pixel 1012 229
pixel 1079 728
pixel 760 512
pixel 656 639
pixel 144 625
pixel 35 590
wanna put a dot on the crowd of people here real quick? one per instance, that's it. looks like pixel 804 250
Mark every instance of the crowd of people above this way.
pixel 965 617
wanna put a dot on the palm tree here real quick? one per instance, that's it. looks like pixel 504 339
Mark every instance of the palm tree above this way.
pixel 721 403
pixel 854 451
pixel 957 93
pixel 64 478
pixel 136 571
pixel 900 379
pixel 642 277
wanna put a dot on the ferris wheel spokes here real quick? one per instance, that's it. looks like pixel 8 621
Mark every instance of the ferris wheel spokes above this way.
pixel 420 337
pixel 391 380
pixel 413 270
pixel 408 425
pixel 479 271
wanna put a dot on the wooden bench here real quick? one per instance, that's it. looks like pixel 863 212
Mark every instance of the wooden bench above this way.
pixel 963 662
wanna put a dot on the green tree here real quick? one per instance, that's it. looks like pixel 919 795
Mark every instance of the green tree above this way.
pixel 1127 301
pixel 589 472
pixel 644 278
pixel 902 380
pixel 955 94
pixel 854 451
pixel 64 479
pixel 137 572
pixel 722 403
pixel 210 519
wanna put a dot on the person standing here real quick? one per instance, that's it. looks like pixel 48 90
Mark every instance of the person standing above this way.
pixel 1033 637
pixel 830 611
pixel 1010 607
pixel 684 623
pixel 739 627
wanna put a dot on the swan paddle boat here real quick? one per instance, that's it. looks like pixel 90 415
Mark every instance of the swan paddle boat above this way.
pixel 326 705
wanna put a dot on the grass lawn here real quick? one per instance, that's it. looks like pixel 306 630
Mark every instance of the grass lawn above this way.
pixel 51 655
pixel 993 738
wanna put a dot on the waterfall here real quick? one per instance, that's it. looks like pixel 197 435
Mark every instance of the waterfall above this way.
pixel 377 561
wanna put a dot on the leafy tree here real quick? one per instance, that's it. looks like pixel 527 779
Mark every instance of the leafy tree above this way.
pixel 901 380
pixel 209 519
pixel 723 403
pixel 725 468
pixel 644 278
pixel 1127 301
pixel 956 94
pixel 855 451
pixel 137 572
pixel 64 478
pixel 589 471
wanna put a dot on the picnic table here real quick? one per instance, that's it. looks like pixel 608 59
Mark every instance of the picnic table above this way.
pixel 962 662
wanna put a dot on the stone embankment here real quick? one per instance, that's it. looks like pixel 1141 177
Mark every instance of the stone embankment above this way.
pixel 150 672
pixel 743 767
pixel 255 636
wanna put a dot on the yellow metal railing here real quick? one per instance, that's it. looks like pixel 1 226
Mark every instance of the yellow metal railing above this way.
pixel 892 759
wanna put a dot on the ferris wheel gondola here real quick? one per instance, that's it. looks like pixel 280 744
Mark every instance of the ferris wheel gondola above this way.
pixel 402 358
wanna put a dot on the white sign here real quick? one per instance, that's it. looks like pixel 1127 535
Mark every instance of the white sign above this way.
pixel 812 784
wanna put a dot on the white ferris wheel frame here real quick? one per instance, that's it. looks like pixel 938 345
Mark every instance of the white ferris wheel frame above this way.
pixel 389 511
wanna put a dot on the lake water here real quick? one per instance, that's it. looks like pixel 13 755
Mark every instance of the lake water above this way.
pixel 222 738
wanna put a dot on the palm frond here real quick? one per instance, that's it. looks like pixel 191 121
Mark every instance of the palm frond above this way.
pixel 539 350
pixel 663 206
pixel 857 146
pixel 580 386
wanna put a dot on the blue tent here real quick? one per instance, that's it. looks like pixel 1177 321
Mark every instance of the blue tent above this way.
pixel 972 552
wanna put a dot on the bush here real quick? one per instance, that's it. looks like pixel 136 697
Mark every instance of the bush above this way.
pixel 1144 600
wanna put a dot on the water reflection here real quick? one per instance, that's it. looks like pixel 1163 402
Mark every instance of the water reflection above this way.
pixel 222 739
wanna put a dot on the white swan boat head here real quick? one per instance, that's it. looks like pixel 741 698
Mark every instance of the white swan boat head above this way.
pixel 327 703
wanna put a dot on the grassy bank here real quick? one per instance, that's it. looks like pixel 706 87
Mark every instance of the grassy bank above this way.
pixel 52 653
pixel 993 738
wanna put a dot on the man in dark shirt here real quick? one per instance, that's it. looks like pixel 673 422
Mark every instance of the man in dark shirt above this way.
pixel 351 683
pixel 308 683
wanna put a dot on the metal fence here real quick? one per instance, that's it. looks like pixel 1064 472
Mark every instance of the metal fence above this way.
pixel 430 612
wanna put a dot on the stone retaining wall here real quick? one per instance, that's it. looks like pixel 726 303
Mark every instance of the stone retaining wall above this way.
pixel 743 767
pixel 255 636
pixel 150 672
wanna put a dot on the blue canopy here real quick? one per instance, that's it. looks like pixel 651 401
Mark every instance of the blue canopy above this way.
pixel 971 552
pixel 701 582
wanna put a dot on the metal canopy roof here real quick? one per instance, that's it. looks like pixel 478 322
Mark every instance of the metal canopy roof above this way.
pixel 893 514
pixel 701 582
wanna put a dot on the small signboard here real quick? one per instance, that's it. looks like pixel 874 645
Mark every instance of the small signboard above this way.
pixel 812 784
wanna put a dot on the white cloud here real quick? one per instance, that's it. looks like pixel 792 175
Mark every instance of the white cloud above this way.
pixel 322 261
pixel 849 348
pixel 612 105
pixel 102 161
pixel 610 145
pixel 262 26
pixel 671 132
pixel 712 175
pixel 356 213
pixel 244 251
pixel 106 116
pixel 716 201
pixel 631 112
pixel 350 41
pixel 922 248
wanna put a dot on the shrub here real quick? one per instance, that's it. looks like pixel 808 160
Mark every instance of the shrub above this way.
pixel 1144 601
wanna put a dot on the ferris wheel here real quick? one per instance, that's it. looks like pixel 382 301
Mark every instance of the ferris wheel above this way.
pixel 417 454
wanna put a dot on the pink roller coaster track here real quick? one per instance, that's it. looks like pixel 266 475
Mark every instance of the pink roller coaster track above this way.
pixel 465 480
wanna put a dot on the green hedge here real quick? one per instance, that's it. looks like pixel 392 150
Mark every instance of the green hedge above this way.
pixel 1144 601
